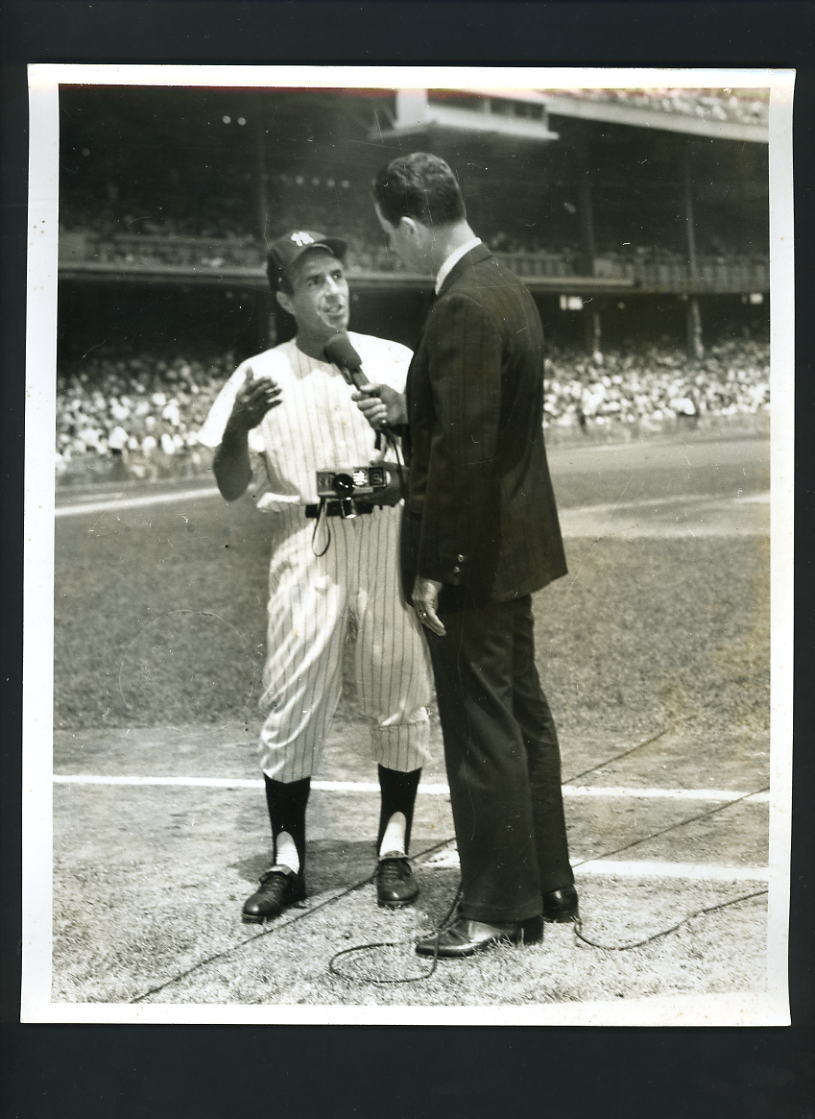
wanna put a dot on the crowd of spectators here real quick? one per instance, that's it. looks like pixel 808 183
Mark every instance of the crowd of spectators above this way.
pixel 221 233
pixel 195 230
pixel 656 383
pixel 528 252
pixel 175 251
pixel 746 106
pixel 367 253
pixel 109 203
pixel 138 416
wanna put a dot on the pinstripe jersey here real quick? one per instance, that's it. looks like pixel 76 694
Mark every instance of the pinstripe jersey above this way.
pixel 316 426
pixel 312 594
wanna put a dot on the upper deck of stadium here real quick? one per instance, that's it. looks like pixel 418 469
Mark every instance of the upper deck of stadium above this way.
pixel 582 190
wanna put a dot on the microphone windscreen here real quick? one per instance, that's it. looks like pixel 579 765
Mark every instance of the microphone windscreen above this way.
pixel 340 352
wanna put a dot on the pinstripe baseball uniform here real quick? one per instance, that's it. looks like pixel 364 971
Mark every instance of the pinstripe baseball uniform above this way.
pixel 313 597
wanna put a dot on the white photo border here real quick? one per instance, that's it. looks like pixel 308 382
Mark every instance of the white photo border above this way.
pixel 770 1009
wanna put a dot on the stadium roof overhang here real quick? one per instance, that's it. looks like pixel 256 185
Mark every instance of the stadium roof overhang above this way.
pixel 450 114
pixel 638 116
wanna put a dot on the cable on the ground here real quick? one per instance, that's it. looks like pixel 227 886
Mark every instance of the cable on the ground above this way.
pixel 370 945
pixel 616 757
pixel 578 925
pixel 334 970
pixel 680 823
pixel 267 930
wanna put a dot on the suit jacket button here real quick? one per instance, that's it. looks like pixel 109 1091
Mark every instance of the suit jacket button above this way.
pixel 460 559
pixel 456 570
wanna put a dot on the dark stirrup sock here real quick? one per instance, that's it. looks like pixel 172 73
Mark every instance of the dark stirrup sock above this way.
pixel 287 812
pixel 398 795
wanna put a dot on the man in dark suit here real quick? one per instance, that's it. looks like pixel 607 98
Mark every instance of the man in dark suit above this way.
pixel 480 533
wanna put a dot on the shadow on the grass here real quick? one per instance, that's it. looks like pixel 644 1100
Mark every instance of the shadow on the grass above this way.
pixel 331 864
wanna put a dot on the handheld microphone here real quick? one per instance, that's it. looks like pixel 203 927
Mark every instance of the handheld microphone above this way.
pixel 340 352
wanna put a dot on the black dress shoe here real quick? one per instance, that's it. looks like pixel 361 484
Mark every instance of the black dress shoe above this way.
pixel 279 887
pixel 561 905
pixel 395 884
pixel 465 938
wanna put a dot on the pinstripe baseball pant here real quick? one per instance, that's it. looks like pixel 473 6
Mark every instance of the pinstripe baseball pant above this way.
pixel 311 599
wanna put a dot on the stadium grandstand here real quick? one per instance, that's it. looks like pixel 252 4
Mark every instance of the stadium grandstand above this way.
pixel 637 218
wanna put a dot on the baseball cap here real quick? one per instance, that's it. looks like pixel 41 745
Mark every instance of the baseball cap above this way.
pixel 287 249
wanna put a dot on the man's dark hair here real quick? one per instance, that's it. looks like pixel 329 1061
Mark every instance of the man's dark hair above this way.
pixel 419 186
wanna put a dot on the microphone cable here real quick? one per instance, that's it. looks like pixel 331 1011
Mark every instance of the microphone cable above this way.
pixel 371 945
pixel 334 970
pixel 577 923
pixel 321 516
pixel 269 928
pixel 340 352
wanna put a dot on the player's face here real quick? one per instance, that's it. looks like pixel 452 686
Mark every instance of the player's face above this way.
pixel 320 299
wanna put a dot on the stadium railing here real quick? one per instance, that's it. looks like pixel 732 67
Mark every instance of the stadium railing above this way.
pixel 733 272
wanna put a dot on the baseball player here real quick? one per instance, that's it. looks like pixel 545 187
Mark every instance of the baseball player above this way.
pixel 284 415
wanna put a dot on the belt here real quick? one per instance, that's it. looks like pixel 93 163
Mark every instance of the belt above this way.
pixel 332 508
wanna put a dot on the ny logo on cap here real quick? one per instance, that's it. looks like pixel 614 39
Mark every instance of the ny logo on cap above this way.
pixel 302 239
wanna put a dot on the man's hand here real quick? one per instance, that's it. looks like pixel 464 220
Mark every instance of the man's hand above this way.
pixel 380 404
pixel 394 489
pixel 425 598
pixel 233 470
pixel 254 399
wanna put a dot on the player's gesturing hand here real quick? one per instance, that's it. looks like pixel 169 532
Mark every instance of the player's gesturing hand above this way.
pixel 255 397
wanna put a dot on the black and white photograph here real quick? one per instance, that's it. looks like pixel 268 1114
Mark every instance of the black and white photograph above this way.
pixel 409 469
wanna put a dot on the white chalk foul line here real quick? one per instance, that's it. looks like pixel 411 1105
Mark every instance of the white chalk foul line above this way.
pixel 447 859
pixel 132 502
pixel 614 792
pixel 623 792
pixel 103 505
pixel 653 868
pixel 448 856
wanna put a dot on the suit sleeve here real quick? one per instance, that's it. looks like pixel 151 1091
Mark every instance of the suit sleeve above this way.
pixel 464 352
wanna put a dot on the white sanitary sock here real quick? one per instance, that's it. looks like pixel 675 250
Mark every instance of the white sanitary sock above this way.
pixel 393 841
pixel 286 852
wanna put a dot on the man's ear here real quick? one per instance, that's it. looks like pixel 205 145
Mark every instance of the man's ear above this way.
pixel 409 225
pixel 284 301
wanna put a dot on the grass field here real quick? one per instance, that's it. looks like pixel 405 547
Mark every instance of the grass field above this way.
pixel 160 611
pixel 661 631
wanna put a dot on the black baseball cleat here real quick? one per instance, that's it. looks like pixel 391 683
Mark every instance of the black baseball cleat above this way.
pixel 465 938
pixel 560 906
pixel 395 884
pixel 279 888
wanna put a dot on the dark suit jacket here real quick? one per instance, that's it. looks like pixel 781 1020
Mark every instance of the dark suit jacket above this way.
pixel 480 514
